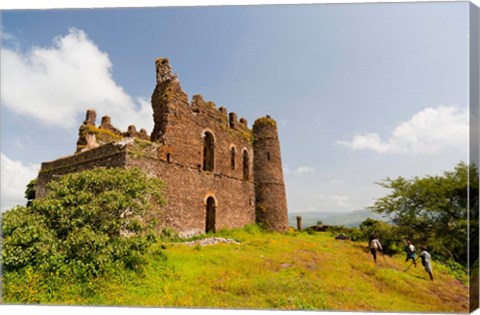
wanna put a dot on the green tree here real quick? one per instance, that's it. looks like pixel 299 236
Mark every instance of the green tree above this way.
pixel 388 234
pixel 433 210
pixel 88 219
pixel 31 191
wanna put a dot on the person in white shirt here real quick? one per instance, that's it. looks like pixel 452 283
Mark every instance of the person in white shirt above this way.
pixel 375 246
pixel 426 261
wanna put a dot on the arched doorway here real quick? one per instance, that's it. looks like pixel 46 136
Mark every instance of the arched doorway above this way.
pixel 210 215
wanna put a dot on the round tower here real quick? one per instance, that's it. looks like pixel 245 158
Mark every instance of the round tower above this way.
pixel 270 198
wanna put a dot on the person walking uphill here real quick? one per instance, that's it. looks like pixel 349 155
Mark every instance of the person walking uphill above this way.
pixel 410 250
pixel 426 261
pixel 375 246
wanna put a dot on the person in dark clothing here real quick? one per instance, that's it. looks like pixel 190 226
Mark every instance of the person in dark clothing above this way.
pixel 410 250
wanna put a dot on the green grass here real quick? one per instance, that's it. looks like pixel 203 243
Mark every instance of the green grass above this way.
pixel 266 271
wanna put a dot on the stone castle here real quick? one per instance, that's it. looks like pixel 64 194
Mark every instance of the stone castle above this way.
pixel 218 172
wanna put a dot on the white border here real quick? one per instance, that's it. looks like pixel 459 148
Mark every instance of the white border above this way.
pixel 69 4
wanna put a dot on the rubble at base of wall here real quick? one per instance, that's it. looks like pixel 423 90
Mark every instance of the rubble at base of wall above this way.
pixel 211 241
pixel 189 233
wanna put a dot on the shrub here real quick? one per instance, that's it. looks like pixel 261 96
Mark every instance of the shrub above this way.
pixel 334 230
pixel 389 235
pixel 26 238
pixel 88 220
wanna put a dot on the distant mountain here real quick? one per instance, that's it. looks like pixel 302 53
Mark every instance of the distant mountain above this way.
pixel 348 219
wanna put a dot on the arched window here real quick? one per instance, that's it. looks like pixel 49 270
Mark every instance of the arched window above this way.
pixel 246 165
pixel 210 215
pixel 208 152
pixel 232 158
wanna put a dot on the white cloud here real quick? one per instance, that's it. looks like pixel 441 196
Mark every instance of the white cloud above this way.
pixel 301 170
pixel 54 84
pixel 7 36
pixel 14 178
pixel 336 181
pixel 341 200
pixel 427 132
pixel 298 171
pixel 333 202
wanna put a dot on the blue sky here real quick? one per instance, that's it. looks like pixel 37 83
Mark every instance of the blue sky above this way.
pixel 360 91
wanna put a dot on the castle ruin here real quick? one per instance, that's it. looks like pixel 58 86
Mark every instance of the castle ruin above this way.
pixel 218 172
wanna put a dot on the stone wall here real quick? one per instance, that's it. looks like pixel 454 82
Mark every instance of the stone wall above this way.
pixel 188 189
pixel 181 128
pixel 108 155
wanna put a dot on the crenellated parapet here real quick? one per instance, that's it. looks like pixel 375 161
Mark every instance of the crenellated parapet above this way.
pixel 106 124
pixel 199 105
pixel 173 113
pixel 90 117
pixel 243 122
pixel 90 136
pixel 221 115
pixel 133 133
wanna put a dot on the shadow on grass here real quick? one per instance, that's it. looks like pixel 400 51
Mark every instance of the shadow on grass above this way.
pixel 363 248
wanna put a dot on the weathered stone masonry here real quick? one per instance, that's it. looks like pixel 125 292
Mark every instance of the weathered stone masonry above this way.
pixel 218 172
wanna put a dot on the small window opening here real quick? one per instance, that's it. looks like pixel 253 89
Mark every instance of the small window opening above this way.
pixel 246 167
pixel 169 158
pixel 208 152
pixel 232 158
pixel 268 156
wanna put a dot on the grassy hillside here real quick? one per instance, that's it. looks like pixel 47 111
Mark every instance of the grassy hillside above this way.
pixel 264 271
